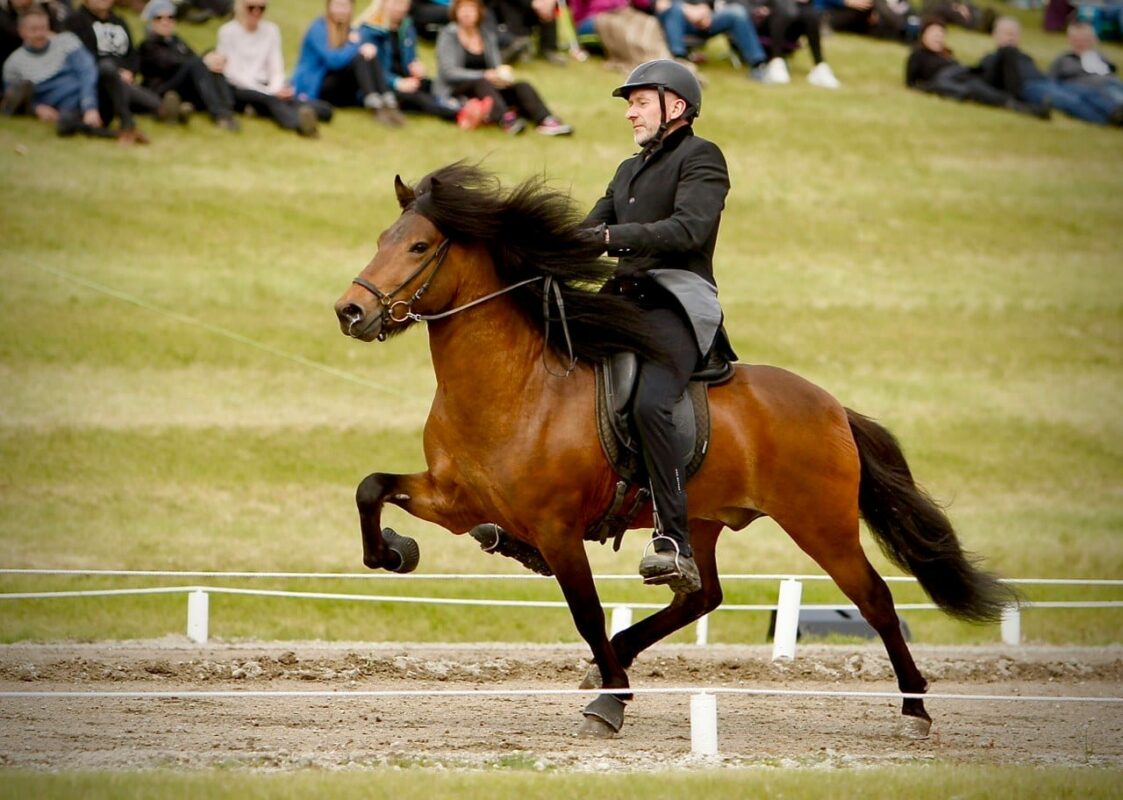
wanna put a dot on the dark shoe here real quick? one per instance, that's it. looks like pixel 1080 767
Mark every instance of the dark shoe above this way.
pixel 184 112
pixel 1116 117
pixel 69 123
pixel 17 100
pixel 307 124
pixel 229 124
pixel 131 136
pixel 671 568
pixel 169 107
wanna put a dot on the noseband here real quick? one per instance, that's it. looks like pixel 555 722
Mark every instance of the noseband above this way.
pixel 386 299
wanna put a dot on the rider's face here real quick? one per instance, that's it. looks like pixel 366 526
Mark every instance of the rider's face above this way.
pixel 645 116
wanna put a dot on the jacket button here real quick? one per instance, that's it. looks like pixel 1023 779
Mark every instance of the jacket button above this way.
pixel 631 199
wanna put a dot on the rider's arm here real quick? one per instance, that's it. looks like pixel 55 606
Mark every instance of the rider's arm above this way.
pixel 699 199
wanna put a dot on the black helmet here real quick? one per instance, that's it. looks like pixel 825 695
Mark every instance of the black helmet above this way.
pixel 672 76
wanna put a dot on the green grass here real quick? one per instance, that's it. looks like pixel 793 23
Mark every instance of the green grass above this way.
pixel 514 780
pixel 949 269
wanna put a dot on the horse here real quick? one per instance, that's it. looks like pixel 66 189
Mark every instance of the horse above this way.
pixel 509 289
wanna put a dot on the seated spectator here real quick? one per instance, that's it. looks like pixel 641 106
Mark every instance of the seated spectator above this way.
pixel 931 68
pixel 468 65
pixel 337 67
pixel 1084 64
pixel 682 18
pixel 197 12
pixel 53 77
pixel 883 19
pixel 520 19
pixel 430 16
pixel 1013 71
pixel 172 69
pixel 627 34
pixel 784 22
pixel 963 13
pixel 10 11
pixel 107 38
pixel 386 23
pixel 249 55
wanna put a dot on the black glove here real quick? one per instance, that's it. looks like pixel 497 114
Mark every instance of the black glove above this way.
pixel 594 237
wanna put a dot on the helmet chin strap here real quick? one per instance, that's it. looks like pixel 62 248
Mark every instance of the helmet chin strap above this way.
pixel 663 122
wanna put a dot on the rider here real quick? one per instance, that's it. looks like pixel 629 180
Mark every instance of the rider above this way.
pixel 660 216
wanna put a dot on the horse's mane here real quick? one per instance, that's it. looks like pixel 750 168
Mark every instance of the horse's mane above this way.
pixel 530 231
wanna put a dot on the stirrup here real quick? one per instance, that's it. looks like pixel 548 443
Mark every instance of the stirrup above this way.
pixel 681 580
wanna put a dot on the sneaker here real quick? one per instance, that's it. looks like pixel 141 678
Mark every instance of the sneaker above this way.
pixel 169 107
pixel 17 100
pixel 672 569
pixel 511 123
pixel 184 112
pixel 555 58
pixel 228 124
pixel 758 72
pixel 552 126
pixel 823 77
pixel 130 136
pixel 306 123
pixel 776 73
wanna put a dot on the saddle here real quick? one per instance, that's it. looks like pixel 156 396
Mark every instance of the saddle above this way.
pixel 616 385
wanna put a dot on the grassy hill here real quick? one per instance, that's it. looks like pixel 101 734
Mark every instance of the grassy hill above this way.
pixel 177 394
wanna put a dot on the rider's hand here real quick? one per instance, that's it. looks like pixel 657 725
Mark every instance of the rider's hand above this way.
pixel 594 237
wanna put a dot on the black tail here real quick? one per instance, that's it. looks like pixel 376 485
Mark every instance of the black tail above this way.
pixel 915 533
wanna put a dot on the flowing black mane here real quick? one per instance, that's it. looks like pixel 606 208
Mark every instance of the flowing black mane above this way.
pixel 531 231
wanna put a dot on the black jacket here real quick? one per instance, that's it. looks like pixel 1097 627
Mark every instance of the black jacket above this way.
pixel 1067 67
pixel 108 38
pixel 924 65
pixel 663 210
pixel 161 57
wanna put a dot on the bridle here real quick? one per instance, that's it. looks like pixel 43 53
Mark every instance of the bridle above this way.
pixel 389 304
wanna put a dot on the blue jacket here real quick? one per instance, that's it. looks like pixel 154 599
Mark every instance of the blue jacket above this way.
pixel 317 59
pixel 64 73
pixel 382 37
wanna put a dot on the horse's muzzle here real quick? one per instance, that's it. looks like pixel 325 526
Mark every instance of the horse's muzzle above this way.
pixel 354 322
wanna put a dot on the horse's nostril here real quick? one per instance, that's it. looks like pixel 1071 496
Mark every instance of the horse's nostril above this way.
pixel 351 313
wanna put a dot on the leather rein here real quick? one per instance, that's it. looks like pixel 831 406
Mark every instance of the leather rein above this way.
pixel 437 259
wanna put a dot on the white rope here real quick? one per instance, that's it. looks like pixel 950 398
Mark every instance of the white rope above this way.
pixel 137 573
pixel 220 331
pixel 384 693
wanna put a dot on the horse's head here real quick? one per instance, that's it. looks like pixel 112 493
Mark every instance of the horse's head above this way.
pixel 383 298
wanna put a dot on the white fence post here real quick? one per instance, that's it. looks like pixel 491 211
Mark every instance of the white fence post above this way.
pixel 198 611
pixel 787 620
pixel 621 620
pixel 1012 624
pixel 702 631
pixel 703 724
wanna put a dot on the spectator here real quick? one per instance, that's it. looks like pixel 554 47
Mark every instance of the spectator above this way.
pixel 628 36
pixel 10 11
pixel 1013 71
pixel 386 23
pixel 249 55
pixel 468 64
pixel 337 67
pixel 963 13
pixel 931 68
pixel 784 22
pixel 107 38
pixel 172 69
pixel 884 19
pixel 682 18
pixel 519 19
pixel 53 77
pixel 430 16
pixel 1084 64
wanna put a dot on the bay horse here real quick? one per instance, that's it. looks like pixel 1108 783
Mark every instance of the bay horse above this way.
pixel 509 290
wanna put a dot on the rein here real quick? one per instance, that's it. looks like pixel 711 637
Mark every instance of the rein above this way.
pixel 389 305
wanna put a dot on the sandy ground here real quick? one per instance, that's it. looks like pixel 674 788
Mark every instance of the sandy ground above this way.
pixel 539 732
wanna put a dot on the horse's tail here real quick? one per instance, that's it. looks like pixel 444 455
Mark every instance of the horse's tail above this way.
pixel 915 533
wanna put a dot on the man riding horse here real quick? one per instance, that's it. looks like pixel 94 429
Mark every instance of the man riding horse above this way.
pixel 660 217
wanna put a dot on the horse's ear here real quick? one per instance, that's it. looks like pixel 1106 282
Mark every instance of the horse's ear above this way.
pixel 404 193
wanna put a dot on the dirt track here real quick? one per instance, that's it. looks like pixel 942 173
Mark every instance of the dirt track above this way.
pixel 117 733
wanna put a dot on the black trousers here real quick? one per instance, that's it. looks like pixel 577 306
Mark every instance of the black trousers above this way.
pixel 658 386
pixel 350 86
pixel 424 101
pixel 960 84
pixel 116 98
pixel 788 20
pixel 520 18
pixel 521 96
pixel 283 112
pixel 202 88
pixel 880 21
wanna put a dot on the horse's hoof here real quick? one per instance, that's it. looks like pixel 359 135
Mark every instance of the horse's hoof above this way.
pixel 607 709
pixel 596 728
pixel 914 727
pixel 592 679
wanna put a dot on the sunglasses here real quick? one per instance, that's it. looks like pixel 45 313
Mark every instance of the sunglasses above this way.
pixel 160 17
pixel 255 9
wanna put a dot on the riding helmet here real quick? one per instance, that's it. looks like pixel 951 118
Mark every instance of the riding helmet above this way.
pixel 671 75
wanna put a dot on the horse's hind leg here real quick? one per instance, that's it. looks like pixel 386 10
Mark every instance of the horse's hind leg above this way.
pixel 684 608
pixel 838 551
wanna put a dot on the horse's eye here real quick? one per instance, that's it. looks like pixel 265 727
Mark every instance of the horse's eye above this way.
pixel 419 247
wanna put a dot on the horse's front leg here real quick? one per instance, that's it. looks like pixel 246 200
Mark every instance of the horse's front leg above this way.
pixel 604 716
pixel 419 495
